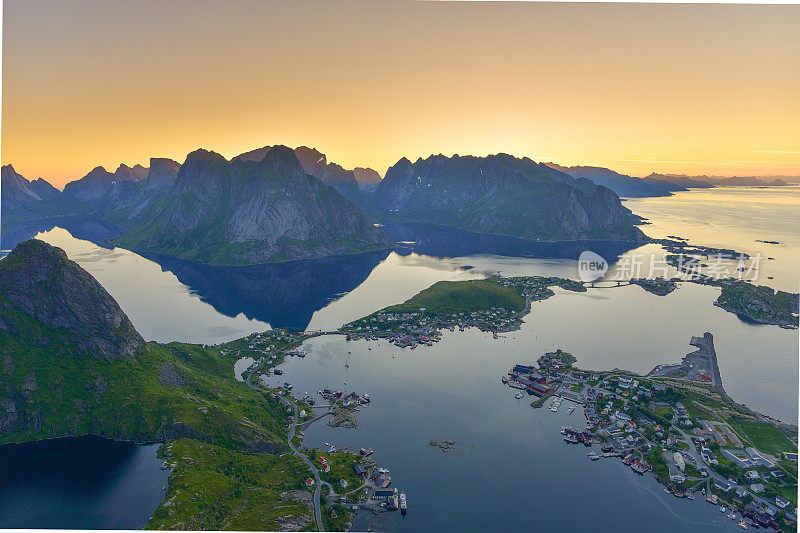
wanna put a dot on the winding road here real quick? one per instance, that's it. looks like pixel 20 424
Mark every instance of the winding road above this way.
pixel 306 460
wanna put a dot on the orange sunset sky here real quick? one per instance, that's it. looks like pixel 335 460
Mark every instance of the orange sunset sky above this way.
pixel 638 88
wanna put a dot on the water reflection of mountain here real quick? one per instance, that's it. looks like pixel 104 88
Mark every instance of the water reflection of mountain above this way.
pixel 285 295
pixel 443 241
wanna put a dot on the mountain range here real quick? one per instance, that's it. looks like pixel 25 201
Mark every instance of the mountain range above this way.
pixel 724 181
pixel 277 203
pixel 504 195
pixel 248 211
pixel 622 184
pixel 17 192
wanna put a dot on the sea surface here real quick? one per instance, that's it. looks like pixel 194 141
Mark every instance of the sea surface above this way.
pixel 734 217
pixel 512 468
pixel 79 483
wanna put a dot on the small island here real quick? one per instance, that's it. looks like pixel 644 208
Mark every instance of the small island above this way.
pixel 494 305
pixel 758 303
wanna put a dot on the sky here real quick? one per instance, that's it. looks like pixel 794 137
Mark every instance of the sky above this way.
pixel 694 89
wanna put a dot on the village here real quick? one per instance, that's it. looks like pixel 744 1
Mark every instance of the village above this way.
pixel 676 422
pixel 410 329
pixel 352 478
pixel 683 430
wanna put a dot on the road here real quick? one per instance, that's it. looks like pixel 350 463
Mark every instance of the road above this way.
pixel 712 475
pixel 306 460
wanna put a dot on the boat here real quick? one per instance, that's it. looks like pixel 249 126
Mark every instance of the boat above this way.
pixel 593 456
pixel 732 516
pixel 723 509
pixel 704 491
pixel 403 504
pixel 504 379
pixel 366 397
pixel 519 396
pixel 383 470
pixel 606 448
pixel 570 410
pixel 742 524
pixel 572 439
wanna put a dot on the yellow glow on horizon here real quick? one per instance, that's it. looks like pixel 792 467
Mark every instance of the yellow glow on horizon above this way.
pixel 694 89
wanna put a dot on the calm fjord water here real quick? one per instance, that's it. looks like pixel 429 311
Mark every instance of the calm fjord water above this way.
pixel 83 482
pixel 513 467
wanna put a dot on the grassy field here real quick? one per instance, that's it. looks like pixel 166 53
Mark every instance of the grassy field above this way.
pixel 655 458
pixel 764 437
pixel 664 411
pixel 449 297
pixel 215 488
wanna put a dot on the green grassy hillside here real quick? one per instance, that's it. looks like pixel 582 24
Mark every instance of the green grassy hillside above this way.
pixel 165 391
pixel 448 297
pixel 213 487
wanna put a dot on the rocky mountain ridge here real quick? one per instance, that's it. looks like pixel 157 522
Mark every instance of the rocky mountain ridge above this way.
pixel 251 211
pixel 503 195
pixel 39 280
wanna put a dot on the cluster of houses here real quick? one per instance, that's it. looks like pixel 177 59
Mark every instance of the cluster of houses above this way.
pixel 530 379
pixel 347 399
pixel 410 329
pixel 538 288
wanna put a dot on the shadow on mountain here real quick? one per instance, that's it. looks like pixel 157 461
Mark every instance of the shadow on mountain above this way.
pixel 80 227
pixel 285 295
pixel 442 241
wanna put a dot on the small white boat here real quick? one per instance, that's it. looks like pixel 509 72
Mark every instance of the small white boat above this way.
pixel 504 379
pixel 519 396
pixel 732 516
pixel 742 524
pixel 723 509
pixel 570 410
pixel 593 456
